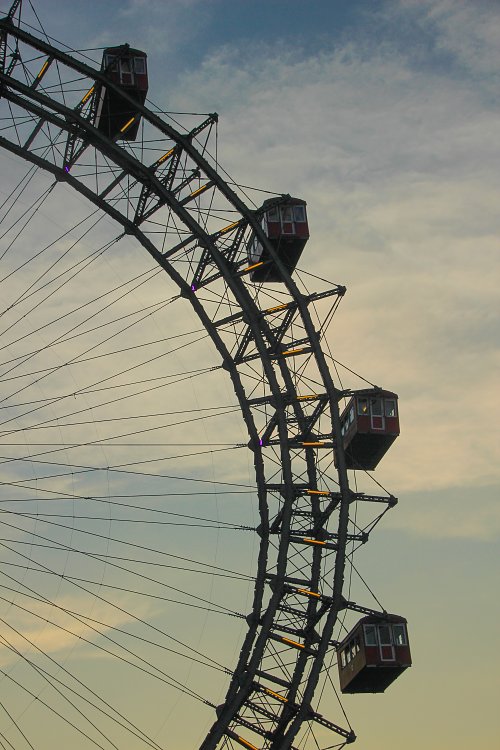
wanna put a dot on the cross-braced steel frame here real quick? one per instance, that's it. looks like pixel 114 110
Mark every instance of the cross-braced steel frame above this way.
pixel 173 200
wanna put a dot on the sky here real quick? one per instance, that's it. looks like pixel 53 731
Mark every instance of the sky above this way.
pixel 384 117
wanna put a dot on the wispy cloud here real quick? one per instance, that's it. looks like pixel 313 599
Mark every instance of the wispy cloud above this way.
pixel 398 163
pixel 456 513
pixel 469 31
pixel 71 624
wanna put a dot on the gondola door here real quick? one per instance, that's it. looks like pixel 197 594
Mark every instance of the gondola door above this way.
pixel 287 223
pixel 377 414
pixel 126 73
pixel 386 645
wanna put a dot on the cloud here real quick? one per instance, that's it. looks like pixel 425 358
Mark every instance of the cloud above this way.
pixel 468 31
pixel 475 514
pixel 398 163
pixel 54 629
pixel 167 27
pixel 397 160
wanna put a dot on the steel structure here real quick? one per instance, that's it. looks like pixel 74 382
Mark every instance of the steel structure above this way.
pixel 272 354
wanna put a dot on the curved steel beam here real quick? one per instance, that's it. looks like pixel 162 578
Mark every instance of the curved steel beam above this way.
pixel 260 624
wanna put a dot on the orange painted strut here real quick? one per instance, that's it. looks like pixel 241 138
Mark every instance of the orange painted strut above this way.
pixel 255 265
pixel 276 695
pixel 309 593
pixel 88 95
pixel 274 309
pixel 127 125
pixel 44 68
pixel 313 541
pixel 292 643
pixel 229 226
pixel 200 190
pixel 246 743
pixel 165 156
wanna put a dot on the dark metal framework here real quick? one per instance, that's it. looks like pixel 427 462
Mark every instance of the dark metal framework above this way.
pixel 173 200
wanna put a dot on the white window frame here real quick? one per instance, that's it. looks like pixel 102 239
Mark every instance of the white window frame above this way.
pixel 142 61
pixel 402 628
pixel 362 413
pixel 299 214
pixel 373 629
pixel 387 403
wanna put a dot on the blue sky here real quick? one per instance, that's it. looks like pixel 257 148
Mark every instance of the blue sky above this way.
pixel 385 117
pixel 189 31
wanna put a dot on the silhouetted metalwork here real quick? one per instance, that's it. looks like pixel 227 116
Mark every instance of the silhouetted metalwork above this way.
pixel 292 429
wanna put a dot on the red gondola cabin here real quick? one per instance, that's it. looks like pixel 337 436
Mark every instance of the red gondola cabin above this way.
pixel 126 67
pixel 285 225
pixel 369 426
pixel 374 654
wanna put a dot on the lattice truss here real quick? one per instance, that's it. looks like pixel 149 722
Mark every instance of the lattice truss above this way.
pixel 166 189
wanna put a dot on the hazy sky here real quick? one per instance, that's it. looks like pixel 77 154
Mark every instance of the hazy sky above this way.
pixel 384 116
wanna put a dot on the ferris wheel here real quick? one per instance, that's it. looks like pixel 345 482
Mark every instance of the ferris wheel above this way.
pixel 96 470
